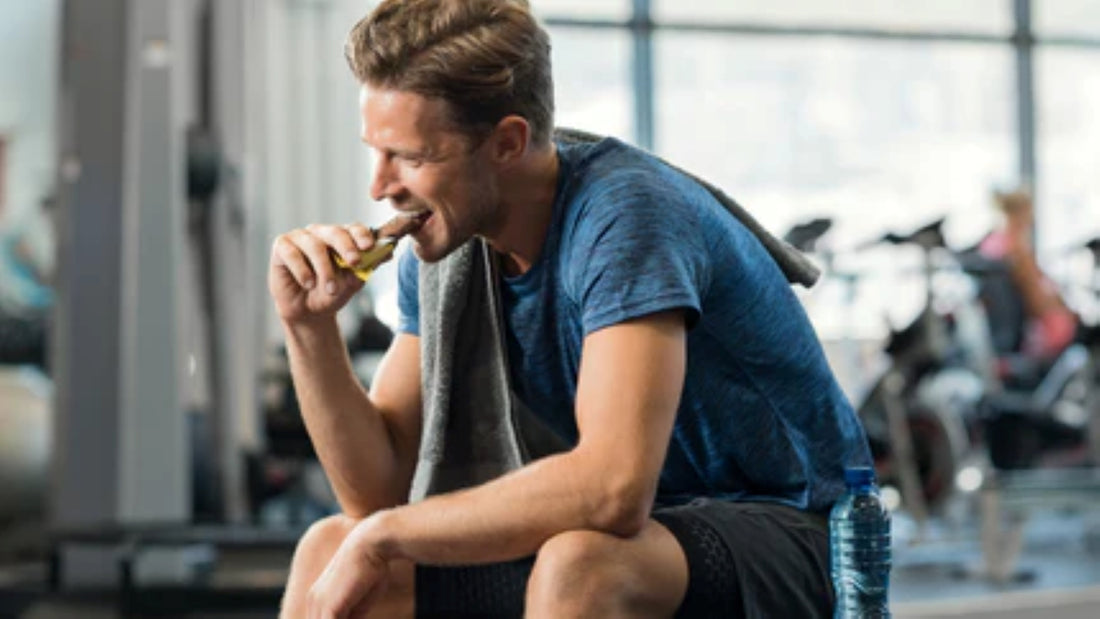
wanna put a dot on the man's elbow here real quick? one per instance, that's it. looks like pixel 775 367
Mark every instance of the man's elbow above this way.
pixel 624 508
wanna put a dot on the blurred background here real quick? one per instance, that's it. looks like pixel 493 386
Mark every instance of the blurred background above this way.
pixel 152 457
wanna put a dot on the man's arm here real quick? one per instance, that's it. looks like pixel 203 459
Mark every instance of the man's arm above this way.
pixel 629 389
pixel 366 444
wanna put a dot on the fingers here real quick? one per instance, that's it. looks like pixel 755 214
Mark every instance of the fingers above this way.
pixel 287 253
pixel 342 595
pixel 363 236
pixel 351 583
pixel 306 257
pixel 341 239
pixel 305 253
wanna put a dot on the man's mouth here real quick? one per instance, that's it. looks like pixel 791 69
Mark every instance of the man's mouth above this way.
pixel 419 218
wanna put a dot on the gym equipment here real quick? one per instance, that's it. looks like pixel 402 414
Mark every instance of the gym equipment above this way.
pixel 921 414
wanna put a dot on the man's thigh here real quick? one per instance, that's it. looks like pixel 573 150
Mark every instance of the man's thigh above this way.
pixel 578 568
pixel 592 574
pixel 752 559
pixel 742 560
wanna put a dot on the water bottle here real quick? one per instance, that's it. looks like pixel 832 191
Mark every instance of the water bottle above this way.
pixel 859 534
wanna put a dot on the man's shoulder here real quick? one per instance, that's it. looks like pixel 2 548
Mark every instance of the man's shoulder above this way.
pixel 607 158
pixel 614 180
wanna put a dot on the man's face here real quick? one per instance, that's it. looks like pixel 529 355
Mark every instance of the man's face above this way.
pixel 422 164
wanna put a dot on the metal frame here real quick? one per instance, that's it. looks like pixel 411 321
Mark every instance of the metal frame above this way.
pixel 120 450
pixel 1023 39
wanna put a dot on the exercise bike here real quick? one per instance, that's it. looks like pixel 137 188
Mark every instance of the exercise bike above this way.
pixel 922 414
pixel 919 411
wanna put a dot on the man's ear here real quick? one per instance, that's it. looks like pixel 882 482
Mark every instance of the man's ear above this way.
pixel 511 137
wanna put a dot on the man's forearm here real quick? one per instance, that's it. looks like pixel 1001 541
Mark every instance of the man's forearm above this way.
pixel 511 517
pixel 349 435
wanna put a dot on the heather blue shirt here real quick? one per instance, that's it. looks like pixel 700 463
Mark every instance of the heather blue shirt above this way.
pixel 761 417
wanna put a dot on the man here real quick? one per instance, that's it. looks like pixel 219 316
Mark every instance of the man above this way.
pixel 645 325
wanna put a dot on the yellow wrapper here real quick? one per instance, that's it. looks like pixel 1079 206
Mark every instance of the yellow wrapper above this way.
pixel 368 261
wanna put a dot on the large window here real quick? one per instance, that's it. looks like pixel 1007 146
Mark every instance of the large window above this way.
pixel 1067 18
pixel 599 97
pixel 988 16
pixel 1067 78
pixel 882 114
pixel 876 134
pixel 1068 147
pixel 583 9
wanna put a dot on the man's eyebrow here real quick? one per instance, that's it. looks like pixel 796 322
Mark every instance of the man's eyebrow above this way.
pixel 397 150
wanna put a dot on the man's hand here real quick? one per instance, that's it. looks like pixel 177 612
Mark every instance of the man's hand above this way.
pixel 302 279
pixel 355 578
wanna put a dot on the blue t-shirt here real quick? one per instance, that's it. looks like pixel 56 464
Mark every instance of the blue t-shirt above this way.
pixel 761 417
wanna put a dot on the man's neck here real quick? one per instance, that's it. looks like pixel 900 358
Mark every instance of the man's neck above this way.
pixel 527 200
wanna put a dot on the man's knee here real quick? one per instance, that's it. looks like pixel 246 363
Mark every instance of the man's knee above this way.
pixel 313 552
pixel 579 569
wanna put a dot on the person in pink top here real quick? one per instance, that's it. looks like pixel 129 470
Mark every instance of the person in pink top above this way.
pixel 1050 326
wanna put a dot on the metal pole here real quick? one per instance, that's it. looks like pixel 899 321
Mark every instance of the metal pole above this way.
pixel 1024 42
pixel 641 26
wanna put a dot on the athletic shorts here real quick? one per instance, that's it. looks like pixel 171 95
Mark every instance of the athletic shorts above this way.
pixel 745 560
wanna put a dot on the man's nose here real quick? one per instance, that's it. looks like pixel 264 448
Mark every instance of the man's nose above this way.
pixel 385 183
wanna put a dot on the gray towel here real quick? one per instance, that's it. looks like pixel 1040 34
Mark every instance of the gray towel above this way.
pixel 475 429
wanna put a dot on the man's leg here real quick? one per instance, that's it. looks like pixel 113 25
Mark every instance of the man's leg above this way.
pixel 745 560
pixel 590 574
pixel 752 560
pixel 312 555
pixel 708 558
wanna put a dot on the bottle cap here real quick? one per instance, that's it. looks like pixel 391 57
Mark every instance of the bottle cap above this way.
pixel 859 475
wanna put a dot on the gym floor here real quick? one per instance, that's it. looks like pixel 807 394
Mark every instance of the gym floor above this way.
pixel 1056 575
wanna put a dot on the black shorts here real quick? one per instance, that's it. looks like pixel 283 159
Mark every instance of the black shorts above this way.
pixel 752 560
pixel 744 560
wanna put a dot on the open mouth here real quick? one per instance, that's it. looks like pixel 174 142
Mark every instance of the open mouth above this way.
pixel 420 218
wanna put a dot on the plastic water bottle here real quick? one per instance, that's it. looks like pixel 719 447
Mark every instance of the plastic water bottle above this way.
pixel 859 534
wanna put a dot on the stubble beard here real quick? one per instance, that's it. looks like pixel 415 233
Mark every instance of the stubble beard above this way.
pixel 481 223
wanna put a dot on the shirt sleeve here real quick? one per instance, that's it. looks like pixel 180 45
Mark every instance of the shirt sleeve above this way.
pixel 638 250
pixel 408 295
